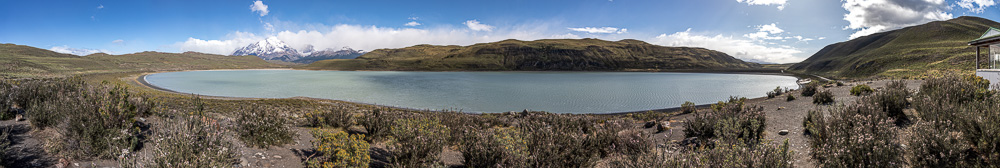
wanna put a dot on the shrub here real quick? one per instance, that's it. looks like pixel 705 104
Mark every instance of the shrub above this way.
pixel 823 97
pixel 774 93
pixel 417 142
pixel 6 88
pixel 495 147
pixel 892 99
pixel 192 141
pixel 5 142
pixel 789 97
pixel 857 135
pixel 376 123
pixel 809 89
pixel 728 155
pixel 688 107
pixel 861 90
pixel 339 116
pixel 730 121
pixel 338 149
pixel 103 122
pixel 937 145
pixel 259 128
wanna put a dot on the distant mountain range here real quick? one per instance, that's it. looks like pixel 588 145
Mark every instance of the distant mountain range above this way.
pixel 918 51
pixel 274 49
pixel 541 55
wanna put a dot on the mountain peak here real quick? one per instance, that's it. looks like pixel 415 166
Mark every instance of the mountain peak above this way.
pixel 269 49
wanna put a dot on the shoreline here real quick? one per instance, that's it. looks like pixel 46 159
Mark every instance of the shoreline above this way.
pixel 141 80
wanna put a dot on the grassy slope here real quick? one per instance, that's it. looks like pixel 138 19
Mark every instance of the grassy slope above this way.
pixel 20 61
pixel 919 51
pixel 552 54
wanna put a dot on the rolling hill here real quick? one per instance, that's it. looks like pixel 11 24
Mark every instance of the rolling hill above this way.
pixel 540 55
pixel 920 51
pixel 19 61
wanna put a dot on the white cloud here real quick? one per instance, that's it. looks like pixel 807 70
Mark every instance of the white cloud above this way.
pixel 412 23
pixel 258 6
pixel 413 18
pixel 780 3
pixel 976 6
pixel 873 16
pixel 76 51
pixel 739 48
pixel 100 6
pixel 372 37
pixel 594 30
pixel 221 47
pixel 475 25
pixel 119 41
pixel 764 32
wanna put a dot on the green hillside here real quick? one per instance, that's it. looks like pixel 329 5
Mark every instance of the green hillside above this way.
pixel 930 49
pixel 540 55
pixel 18 61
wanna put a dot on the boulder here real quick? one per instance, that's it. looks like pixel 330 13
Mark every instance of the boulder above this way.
pixel 783 132
pixel 662 126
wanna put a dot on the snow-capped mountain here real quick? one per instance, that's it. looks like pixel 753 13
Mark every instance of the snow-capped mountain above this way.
pixel 274 49
pixel 270 49
pixel 343 53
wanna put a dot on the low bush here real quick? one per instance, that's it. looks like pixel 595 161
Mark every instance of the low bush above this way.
pixel 339 116
pixel 262 129
pixel 729 121
pixel 417 142
pixel 102 121
pixel 809 89
pixel 338 149
pixel 958 124
pixel 688 107
pixel 937 145
pixel 860 90
pixel 823 97
pixel 892 99
pixel 5 142
pixel 775 93
pixel 858 135
pixel 727 155
pixel 192 141
pixel 377 123
pixel 789 97
pixel 495 147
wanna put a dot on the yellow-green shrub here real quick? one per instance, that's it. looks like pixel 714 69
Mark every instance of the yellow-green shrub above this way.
pixel 417 142
pixel 338 149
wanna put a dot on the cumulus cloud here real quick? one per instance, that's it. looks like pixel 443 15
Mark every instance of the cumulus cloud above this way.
pixel 873 16
pixel 595 30
pixel 373 37
pixel 765 32
pixel 76 51
pixel 739 48
pixel 780 3
pixel 475 25
pixel 221 47
pixel 975 6
pixel 259 7
pixel 412 23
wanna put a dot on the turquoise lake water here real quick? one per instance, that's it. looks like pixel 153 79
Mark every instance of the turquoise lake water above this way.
pixel 560 92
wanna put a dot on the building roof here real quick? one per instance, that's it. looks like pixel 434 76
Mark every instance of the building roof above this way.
pixel 992 36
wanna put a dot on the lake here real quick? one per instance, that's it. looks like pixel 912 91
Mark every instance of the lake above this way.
pixel 559 92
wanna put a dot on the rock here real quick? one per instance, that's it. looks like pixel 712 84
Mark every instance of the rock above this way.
pixel 649 124
pixel 277 156
pixel 783 132
pixel 62 163
pixel 780 108
pixel 663 126
pixel 692 141
pixel 18 117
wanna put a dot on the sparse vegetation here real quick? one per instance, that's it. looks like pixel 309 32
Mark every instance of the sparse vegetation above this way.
pixel 809 89
pixel 861 90
pixel 417 142
pixel 338 149
pixel 339 116
pixel 262 129
pixel 789 97
pixel 688 107
pixel 823 97
pixel 192 141
pixel 377 123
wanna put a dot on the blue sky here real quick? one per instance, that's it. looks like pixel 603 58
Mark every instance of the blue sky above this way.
pixel 779 31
